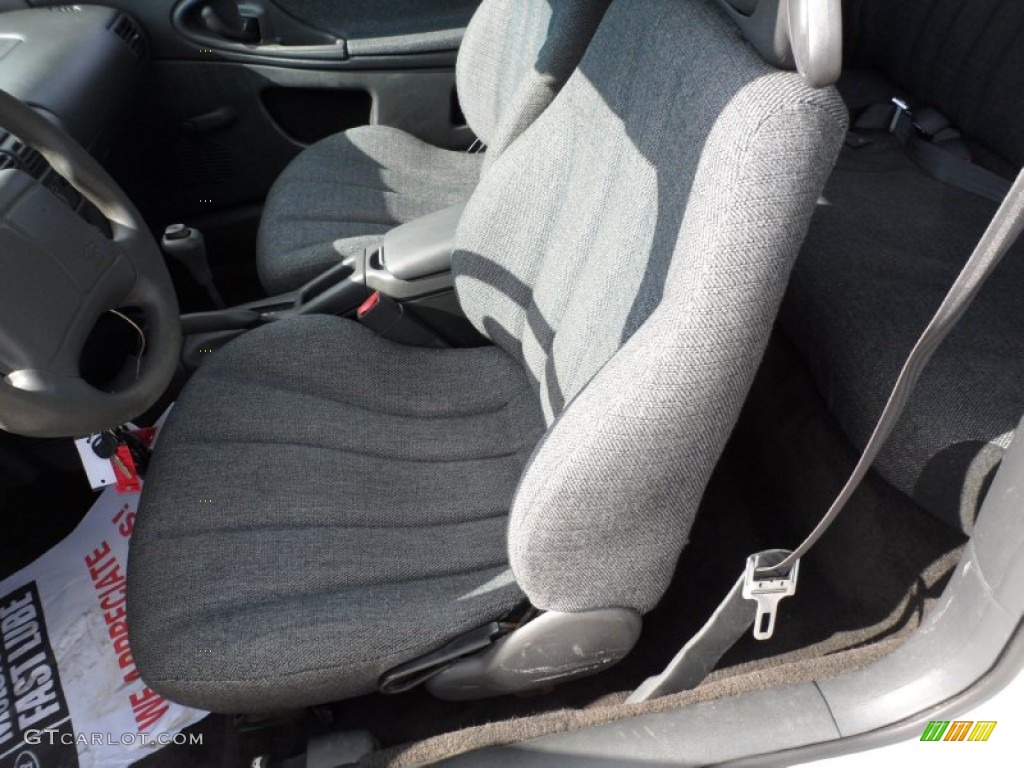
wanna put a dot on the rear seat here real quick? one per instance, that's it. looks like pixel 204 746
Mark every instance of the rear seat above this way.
pixel 887 241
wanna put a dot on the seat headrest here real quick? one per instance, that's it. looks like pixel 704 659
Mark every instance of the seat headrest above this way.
pixel 806 35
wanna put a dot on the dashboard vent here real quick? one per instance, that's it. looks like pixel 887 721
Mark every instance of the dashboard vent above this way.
pixel 29 159
pixel 17 154
pixel 6 161
pixel 126 28
pixel 65 8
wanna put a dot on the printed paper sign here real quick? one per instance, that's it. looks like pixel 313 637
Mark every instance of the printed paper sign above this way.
pixel 70 694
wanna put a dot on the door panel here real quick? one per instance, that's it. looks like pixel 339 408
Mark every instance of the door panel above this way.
pixel 212 125
pixel 207 138
pixel 217 124
pixel 367 28
pixel 355 19
pixel 252 30
pixel 264 31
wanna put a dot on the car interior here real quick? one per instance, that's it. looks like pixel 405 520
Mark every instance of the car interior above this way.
pixel 496 336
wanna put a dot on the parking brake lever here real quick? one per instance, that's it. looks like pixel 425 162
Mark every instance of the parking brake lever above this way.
pixel 223 18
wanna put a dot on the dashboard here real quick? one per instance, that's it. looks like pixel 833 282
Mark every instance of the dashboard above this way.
pixel 79 66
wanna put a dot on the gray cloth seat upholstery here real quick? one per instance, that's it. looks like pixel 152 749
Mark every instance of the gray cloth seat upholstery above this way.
pixel 300 521
pixel 340 195
pixel 888 242
pixel 626 255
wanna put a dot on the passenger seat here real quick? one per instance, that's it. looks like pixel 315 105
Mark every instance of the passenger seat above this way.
pixel 888 240
pixel 342 194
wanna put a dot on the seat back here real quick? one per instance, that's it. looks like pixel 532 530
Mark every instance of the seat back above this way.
pixel 630 250
pixel 515 57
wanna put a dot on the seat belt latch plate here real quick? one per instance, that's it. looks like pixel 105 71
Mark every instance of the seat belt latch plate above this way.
pixel 767 591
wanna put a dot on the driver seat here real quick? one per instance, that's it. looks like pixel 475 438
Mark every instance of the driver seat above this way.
pixel 326 506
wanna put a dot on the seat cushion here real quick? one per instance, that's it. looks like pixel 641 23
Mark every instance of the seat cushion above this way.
pixel 339 196
pixel 323 506
pixel 885 245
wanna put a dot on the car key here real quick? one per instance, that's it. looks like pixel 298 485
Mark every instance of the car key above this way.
pixel 105 446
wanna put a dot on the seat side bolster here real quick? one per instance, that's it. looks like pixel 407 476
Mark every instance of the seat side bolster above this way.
pixel 657 416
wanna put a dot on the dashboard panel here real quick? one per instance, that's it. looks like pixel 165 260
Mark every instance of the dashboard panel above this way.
pixel 79 66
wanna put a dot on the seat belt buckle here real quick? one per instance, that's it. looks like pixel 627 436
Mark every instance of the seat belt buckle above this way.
pixel 901 112
pixel 768 590
pixel 390 320
pixel 379 312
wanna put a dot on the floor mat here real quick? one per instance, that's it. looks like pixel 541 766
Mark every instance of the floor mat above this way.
pixel 70 694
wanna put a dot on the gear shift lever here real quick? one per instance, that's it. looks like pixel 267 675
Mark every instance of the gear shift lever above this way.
pixel 187 246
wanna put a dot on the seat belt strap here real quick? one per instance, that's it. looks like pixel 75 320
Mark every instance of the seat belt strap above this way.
pixel 767 578
pixel 730 621
pixel 931 142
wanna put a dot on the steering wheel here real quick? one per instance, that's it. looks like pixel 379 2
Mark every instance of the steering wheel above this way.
pixel 58 274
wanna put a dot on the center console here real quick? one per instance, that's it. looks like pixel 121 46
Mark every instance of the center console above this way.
pixel 403 289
